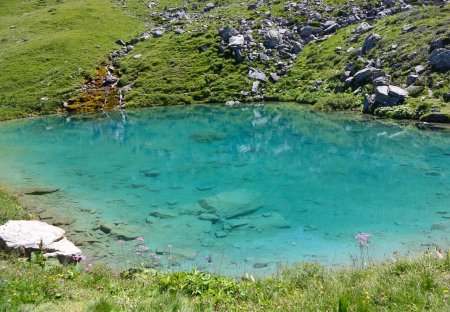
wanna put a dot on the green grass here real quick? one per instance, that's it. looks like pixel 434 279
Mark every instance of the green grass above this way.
pixel 67 40
pixel 173 71
pixel 404 285
pixel 10 208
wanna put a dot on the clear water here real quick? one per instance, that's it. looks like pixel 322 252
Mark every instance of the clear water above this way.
pixel 281 184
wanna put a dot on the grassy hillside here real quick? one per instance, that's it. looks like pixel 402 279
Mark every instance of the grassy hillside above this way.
pixel 49 47
pixel 321 60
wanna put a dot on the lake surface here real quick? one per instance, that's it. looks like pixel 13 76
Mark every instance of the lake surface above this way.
pixel 232 189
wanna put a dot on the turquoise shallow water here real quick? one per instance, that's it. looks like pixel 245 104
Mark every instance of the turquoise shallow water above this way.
pixel 233 190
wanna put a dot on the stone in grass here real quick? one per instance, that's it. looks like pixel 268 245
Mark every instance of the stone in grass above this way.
pixel 34 235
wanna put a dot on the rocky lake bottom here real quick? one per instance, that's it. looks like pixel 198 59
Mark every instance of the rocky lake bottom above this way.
pixel 231 190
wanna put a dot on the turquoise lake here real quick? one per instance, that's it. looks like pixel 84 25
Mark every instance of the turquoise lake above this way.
pixel 233 189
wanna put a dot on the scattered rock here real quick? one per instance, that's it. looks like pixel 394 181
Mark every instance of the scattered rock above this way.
pixel 207 137
pixel 208 217
pixel 255 87
pixel 260 265
pixel 233 204
pixel 209 6
pixel 221 234
pixel 228 103
pixel 236 41
pixel 121 42
pixel 162 214
pixel 272 39
pixel 274 77
pixel 257 75
pixel 408 28
pixel 389 95
pixel 158 33
pixel 65 221
pixel 364 27
pixel 370 42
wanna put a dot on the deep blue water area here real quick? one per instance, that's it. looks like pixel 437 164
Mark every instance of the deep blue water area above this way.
pixel 233 189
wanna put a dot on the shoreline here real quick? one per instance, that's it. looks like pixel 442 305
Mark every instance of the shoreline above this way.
pixel 445 126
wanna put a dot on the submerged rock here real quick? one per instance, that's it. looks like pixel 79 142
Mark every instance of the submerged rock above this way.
pixel 40 191
pixel 233 204
pixel 207 137
pixel 162 214
pixel 33 235
pixel 274 221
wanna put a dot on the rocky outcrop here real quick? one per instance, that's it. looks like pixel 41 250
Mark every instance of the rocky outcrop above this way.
pixel 28 236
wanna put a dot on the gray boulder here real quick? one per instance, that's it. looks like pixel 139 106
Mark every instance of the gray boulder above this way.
pixel 440 59
pixel 330 26
pixel 255 87
pixel 364 27
pixel 209 6
pixel 389 95
pixel 411 79
pixel 272 39
pixel 296 47
pixel 368 74
pixel 257 75
pixel 274 77
pixel 398 92
pixel 227 32
pixel 31 236
pixel 157 33
pixel 370 42
pixel 306 32
pixel 236 41
pixel 408 28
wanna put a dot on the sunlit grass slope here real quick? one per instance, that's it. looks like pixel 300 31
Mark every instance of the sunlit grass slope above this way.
pixel 47 48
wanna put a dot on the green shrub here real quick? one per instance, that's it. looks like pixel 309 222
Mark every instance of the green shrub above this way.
pixel 338 101
pixel 397 112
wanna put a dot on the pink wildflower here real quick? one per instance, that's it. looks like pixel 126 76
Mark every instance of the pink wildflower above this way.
pixel 140 239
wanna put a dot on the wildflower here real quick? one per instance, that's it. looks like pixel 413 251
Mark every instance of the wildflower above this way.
pixel 137 252
pixel 121 241
pixel 169 247
pixel 140 239
pixel 3 282
pixel 363 239
pixel 78 257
